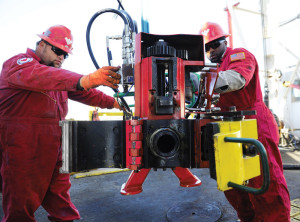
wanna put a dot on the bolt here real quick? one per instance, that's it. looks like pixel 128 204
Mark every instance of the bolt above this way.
pixel 232 109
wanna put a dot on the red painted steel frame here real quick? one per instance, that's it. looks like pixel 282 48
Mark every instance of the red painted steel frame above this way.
pixel 144 109
pixel 144 101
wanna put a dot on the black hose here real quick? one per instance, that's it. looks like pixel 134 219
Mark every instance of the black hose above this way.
pixel 89 30
pixel 120 4
pixel 291 166
pixel 132 25
pixel 125 19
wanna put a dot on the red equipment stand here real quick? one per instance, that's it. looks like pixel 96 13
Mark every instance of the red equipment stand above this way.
pixel 134 183
pixel 186 178
pixel 136 179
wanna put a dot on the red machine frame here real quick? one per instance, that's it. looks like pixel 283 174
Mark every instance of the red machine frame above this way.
pixel 144 108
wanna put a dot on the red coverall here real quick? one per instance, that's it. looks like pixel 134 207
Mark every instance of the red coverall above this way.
pixel 33 99
pixel 274 205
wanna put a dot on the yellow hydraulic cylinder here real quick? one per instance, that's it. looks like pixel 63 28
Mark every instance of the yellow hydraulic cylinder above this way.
pixel 231 164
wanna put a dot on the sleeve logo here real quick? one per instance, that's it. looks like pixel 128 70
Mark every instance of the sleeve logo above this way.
pixel 237 56
pixel 24 60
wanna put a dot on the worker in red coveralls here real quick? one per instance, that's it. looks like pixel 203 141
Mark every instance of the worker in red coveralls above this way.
pixel 34 93
pixel 238 84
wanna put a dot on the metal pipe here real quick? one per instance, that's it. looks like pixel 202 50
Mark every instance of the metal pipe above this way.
pixel 263 24
pixel 229 27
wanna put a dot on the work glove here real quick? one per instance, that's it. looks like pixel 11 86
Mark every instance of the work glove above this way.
pixel 105 76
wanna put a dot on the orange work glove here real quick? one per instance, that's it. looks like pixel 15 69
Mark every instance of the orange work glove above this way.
pixel 105 76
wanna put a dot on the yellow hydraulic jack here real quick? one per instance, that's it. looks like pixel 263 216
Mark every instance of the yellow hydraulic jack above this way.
pixel 238 156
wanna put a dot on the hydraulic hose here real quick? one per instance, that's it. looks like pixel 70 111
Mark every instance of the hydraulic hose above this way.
pixel 291 166
pixel 127 20
pixel 120 5
pixel 89 30
pixel 132 24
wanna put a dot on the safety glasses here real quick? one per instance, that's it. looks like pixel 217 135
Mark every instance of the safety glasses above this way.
pixel 213 45
pixel 58 51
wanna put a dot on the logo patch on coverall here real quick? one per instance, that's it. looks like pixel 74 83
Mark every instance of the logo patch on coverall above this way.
pixel 24 60
pixel 237 56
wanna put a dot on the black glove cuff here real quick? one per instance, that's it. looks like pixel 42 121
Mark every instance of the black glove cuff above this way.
pixel 78 86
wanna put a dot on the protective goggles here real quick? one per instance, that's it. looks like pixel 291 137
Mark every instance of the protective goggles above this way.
pixel 215 44
pixel 58 51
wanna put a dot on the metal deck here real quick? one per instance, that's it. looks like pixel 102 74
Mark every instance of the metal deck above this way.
pixel 98 198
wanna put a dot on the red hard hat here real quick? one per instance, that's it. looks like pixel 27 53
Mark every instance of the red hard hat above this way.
pixel 212 31
pixel 59 36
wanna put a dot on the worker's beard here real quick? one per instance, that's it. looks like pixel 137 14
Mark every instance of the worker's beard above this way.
pixel 51 64
pixel 216 59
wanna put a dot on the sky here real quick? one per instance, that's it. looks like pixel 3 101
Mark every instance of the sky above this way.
pixel 20 21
